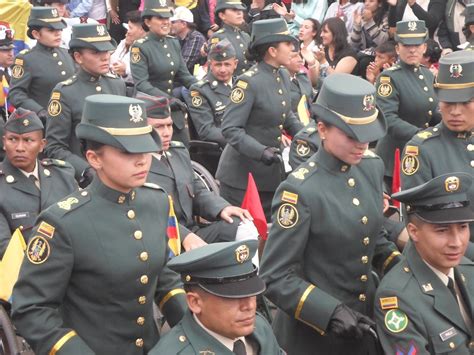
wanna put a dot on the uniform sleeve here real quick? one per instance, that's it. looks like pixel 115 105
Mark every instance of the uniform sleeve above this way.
pixel 415 166
pixel 386 254
pixel 281 264
pixel 399 329
pixel 388 100
pixel 206 203
pixel 235 119
pixel 300 151
pixel 139 68
pixel 20 86
pixel 41 287
pixel 203 117
pixel 58 133
pixel 170 296
pixel 5 234
pixel 292 124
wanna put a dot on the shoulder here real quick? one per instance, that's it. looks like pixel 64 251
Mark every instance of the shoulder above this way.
pixel 368 154
pixel 174 342
pixel 22 54
pixel 303 172
pixel 425 136
pixel 60 165
pixel 394 282
pixel 306 132
pixel 65 83
pixel 177 145
pixel 199 84
pixel 112 76
pixel 152 186
pixel 69 204
pixel 140 42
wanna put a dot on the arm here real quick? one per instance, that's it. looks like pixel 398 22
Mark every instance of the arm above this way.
pixel 379 34
pixel 139 68
pixel 19 87
pixel 433 16
pixel 82 9
pixel 345 65
pixel 192 51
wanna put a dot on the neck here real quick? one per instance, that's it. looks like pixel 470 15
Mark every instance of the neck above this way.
pixel 184 33
pixel 271 61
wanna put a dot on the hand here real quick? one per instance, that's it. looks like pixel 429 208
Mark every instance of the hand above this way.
pixel 386 202
pixel 42 115
pixel 119 68
pixel 348 323
pixel 279 9
pixel 192 241
pixel 308 56
pixel 204 49
pixel 320 55
pixel 357 17
pixel 114 17
pixel 392 2
pixel 372 72
pixel 229 211
pixel 367 15
pixel 285 141
pixel 177 104
pixel 270 155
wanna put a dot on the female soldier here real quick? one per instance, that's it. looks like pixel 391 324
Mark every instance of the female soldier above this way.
pixel 157 64
pixel 260 109
pixel 96 259
pixel 405 93
pixel 317 266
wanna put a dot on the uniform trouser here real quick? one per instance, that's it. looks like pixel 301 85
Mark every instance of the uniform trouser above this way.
pixel 219 231
pixel 235 197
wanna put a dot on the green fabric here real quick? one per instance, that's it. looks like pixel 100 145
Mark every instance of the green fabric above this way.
pixel 39 70
pixel 158 8
pixel 430 307
pixel 94 36
pixel 93 277
pixel 61 128
pixel 455 79
pixel 270 31
pixel 411 32
pixel 45 17
pixel 304 144
pixel 222 50
pixel 23 121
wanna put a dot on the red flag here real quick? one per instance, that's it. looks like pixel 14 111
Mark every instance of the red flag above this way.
pixel 396 176
pixel 252 204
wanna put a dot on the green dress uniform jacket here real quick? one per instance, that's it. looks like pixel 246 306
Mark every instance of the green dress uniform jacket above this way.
pixel 415 310
pixel 35 74
pixel 65 111
pixel 21 201
pixel 189 338
pixel 325 236
pixel 94 265
pixel 436 151
pixel 405 95
pixel 240 41
pixel 300 85
pixel 259 110
pixel 304 144
pixel 207 101
pixel 191 198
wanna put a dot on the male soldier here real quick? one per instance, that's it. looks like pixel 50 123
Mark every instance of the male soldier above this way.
pixel 6 60
pixel 230 16
pixel 424 304
pixel 27 185
pixel 172 170
pixel 450 145
pixel 37 71
pixel 221 286
pixel 304 144
pixel 405 93
pixel 209 97
pixel 90 46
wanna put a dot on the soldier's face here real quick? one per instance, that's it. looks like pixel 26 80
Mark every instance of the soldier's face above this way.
pixel 134 32
pixel 232 17
pixel 23 149
pixel 159 26
pixel 440 245
pixel 6 57
pixel 120 170
pixel 223 70
pixel 295 64
pixel 92 61
pixel 281 54
pixel 340 145
pixel 230 317
pixel 412 54
pixel 48 37
pixel 458 116
pixel 164 128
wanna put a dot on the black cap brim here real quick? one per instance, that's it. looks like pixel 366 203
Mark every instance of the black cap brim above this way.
pixel 4 47
pixel 240 289
pixel 447 216
pixel 102 46
pixel 274 38
pixel 229 6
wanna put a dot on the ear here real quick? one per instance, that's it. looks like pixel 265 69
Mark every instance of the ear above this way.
pixel 322 129
pixel 413 230
pixel 194 301
pixel 43 144
pixel 94 159
pixel 272 51
pixel 77 57
pixel 36 34
pixel 397 49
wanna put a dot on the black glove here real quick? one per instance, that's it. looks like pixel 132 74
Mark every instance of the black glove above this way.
pixel 86 177
pixel 348 323
pixel 177 105
pixel 270 156
pixel 43 115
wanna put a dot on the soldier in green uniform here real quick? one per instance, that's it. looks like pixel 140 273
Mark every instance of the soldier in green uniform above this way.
pixel 90 46
pixel 157 64
pixel 424 304
pixel 171 169
pixel 37 71
pixel 405 93
pixel 210 96
pixel 27 185
pixel 221 287
pixel 96 261
pixel 229 15
pixel 304 144
pixel 327 230
pixel 450 145
pixel 260 109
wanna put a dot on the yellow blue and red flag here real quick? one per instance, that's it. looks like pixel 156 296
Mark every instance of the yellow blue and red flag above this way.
pixel 16 13
pixel 174 240
pixel 10 265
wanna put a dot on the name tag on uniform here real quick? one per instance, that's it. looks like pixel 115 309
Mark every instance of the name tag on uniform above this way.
pixel 448 334
pixel 19 215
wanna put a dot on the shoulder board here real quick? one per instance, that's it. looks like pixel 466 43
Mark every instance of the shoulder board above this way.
pixel 425 135
pixel 153 186
pixel 394 67
pixel 249 73
pixel 303 171
pixel 55 162
pixel 177 144
pixel 111 75
pixel 201 82
pixel 241 84
pixel 368 154
pixel 71 203
pixel 222 30
pixel 141 40
pixel 69 81
pixel 24 51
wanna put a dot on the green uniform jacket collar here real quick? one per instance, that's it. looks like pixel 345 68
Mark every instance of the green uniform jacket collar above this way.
pixel 217 85
pixel 97 187
pixel 155 37
pixel 458 135
pixel 430 284
pixel 408 66
pixel 45 48
pixel 21 182
pixel 267 67
pixel 330 162
pixel 231 28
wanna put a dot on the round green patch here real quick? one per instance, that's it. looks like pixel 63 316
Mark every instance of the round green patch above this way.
pixel 396 320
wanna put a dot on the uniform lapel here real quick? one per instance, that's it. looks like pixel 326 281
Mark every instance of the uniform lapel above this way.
pixel 46 185
pixel 20 181
pixel 465 286
pixel 160 168
pixel 431 285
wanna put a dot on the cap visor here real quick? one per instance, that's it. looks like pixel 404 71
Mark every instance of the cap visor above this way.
pixel 104 46
pixel 239 289
pixel 455 95
pixel 451 215
pixel 57 25
pixel 143 143
pixel 414 41
pixel 272 39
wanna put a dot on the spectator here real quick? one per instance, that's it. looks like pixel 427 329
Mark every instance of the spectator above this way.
pixel 94 9
pixel 431 56
pixel 118 14
pixel 344 9
pixel 191 40
pixel 300 11
pixel 308 34
pixel 468 29
pixel 120 58
pixel 385 57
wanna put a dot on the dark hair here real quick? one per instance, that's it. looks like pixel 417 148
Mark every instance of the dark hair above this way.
pixel 89 145
pixel 134 16
pixel 387 48
pixel 339 32
pixel 257 53
pixel 381 11
pixel 145 27
pixel 467 31
pixel 316 28
pixel 433 51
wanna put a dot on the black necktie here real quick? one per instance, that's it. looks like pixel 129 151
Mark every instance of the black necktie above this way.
pixel 451 288
pixel 239 348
